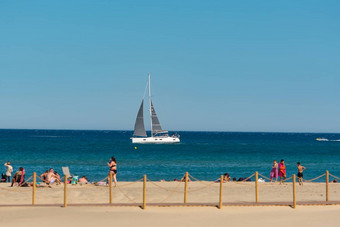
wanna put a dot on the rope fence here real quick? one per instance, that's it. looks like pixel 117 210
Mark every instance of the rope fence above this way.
pixel 185 181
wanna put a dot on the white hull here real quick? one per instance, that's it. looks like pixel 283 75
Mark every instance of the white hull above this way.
pixel 158 139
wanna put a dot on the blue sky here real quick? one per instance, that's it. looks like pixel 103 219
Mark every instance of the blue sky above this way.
pixel 215 65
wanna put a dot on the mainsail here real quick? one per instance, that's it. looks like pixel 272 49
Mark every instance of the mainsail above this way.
pixel 156 126
pixel 139 125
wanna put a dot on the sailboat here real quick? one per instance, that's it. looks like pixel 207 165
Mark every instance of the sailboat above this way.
pixel 158 135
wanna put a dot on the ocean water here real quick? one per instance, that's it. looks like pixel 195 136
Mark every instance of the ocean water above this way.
pixel 205 155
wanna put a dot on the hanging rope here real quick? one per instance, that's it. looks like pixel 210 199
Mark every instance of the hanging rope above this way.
pixel 202 182
pixel 334 176
pixel 179 182
pixel 198 189
pixel 315 178
pixel 288 178
pixel 247 178
pixel 131 200
pixel 102 180
pixel 265 177
pixel 41 179
pixel 127 184
pixel 172 193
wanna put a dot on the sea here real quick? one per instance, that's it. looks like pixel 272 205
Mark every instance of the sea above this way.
pixel 205 155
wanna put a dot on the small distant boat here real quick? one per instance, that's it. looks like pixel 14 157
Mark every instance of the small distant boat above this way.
pixel 158 135
pixel 321 139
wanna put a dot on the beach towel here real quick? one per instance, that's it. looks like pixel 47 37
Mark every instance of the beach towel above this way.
pixel 22 177
pixel 273 173
pixel 282 170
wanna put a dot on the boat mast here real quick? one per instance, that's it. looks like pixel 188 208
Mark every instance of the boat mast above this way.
pixel 150 105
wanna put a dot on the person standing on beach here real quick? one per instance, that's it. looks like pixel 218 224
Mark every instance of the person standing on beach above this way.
pixel 9 170
pixel 282 171
pixel 300 173
pixel 113 169
pixel 274 172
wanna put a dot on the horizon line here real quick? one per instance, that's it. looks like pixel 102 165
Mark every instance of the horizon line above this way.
pixel 41 129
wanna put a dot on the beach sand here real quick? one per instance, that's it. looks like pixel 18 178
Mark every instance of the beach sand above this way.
pixel 170 216
pixel 169 192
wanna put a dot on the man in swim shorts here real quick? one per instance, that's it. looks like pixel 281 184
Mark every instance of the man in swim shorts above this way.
pixel 51 177
pixel 300 173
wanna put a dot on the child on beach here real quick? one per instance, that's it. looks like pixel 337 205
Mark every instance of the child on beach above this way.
pixel 282 171
pixel 274 172
pixel 300 173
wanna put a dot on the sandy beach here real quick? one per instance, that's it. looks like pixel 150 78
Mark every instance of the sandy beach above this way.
pixel 163 193
pixel 169 192
pixel 170 216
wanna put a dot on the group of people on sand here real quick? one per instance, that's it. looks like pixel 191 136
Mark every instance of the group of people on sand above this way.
pixel 279 171
pixel 227 178
pixel 50 176
pixel 18 177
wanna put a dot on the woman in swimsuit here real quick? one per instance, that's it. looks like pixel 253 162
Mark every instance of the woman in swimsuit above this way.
pixel 274 172
pixel 282 171
pixel 18 177
pixel 113 169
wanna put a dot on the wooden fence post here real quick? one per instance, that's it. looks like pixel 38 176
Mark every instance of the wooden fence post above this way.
pixel 144 192
pixel 256 186
pixel 110 188
pixel 65 191
pixel 294 192
pixel 34 187
pixel 327 185
pixel 221 192
pixel 186 188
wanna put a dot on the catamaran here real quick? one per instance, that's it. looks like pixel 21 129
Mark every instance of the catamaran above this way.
pixel 158 135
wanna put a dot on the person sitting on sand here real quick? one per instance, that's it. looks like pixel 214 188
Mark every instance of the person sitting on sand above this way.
pixel 83 180
pixel 334 181
pixel 57 175
pixel 226 178
pixel 182 179
pixel 282 171
pixel 18 177
pixel 300 173
pixel 43 176
pixel 244 179
pixel 51 177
